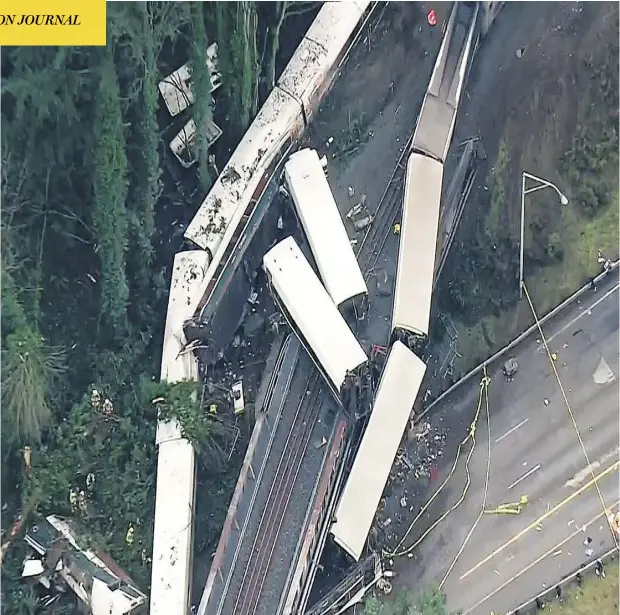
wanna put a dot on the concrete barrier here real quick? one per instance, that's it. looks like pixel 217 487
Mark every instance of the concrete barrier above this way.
pixel 554 312
pixel 549 594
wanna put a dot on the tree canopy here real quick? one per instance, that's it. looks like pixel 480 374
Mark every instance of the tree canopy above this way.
pixel 87 203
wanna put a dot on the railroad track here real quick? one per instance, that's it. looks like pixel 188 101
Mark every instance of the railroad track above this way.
pixel 279 496
pixel 389 206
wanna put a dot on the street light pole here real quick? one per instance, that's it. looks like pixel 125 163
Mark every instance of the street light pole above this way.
pixel 541 183
pixel 522 234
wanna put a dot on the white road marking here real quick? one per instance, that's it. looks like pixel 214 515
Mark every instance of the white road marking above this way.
pixel 589 470
pixel 522 478
pixel 512 429
pixel 586 311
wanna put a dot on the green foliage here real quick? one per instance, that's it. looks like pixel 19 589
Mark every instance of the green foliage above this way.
pixel 27 371
pixel 13 314
pixel 201 87
pixel 372 606
pixel 432 602
pixel 593 153
pixel 23 600
pixel 237 23
pixel 110 187
pixel 117 447
pixel 81 185
pixel 147 176
pixel 588 163
pixel 136 45
pixel 181 402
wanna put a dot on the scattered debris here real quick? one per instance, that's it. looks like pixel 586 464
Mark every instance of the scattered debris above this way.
pixel 97 582
pixel 238 397
pixel 364 222
pixel 510 368
pixel 384 585
pixel 354 211
pixel 321 443
pixel 176 88
pixel 183 144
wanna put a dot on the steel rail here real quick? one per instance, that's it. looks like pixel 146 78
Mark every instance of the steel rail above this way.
pixel 277 502
pixel 385 213
pixel 295 465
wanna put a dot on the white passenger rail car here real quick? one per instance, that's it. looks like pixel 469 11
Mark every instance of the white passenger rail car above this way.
pixel 324 228
pixel 283 117
pixel 398 388
pixel 317 322
pixel 416 253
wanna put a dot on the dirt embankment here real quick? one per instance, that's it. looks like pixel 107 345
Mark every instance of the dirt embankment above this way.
pixel 543 96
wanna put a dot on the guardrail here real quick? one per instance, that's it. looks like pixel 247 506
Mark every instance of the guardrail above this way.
pixel 530 606
pixel 554 312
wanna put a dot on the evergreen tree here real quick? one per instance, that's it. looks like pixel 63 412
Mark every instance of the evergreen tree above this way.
pixel 110 186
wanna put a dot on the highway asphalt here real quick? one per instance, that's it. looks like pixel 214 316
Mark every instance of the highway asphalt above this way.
pixel 535 451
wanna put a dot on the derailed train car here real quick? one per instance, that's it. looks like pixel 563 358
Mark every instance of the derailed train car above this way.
pixel 415 274
pixel 396 394
pixel 324 228
pixel 319 325
pixel 416 255
pixel 404 370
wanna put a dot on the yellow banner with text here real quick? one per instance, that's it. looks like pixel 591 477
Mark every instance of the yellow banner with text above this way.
pixel 56 22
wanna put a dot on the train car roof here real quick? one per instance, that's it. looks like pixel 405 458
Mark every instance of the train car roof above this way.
pixel 398 389
pixel 323 225
pixel 318 52
pixel 279 119
pixel 413 291
pixel 314 313
pixel 172 540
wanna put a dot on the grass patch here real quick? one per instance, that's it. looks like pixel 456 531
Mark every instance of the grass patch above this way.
pixel 595 597
pixel 548 285
pixel 583 238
